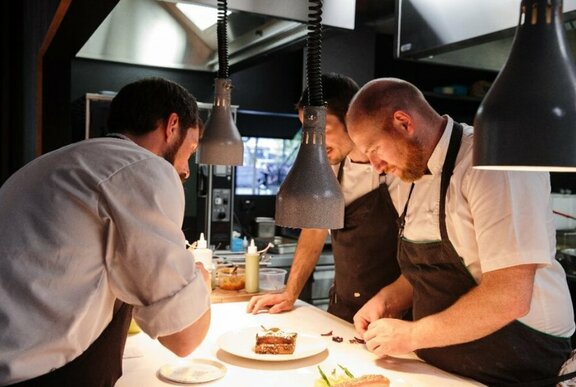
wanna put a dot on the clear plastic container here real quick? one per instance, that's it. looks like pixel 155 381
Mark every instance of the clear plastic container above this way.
pixel 272 279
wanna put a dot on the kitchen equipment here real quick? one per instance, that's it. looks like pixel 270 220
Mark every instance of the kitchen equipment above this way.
pixel 231 278
pixel 283 245
pixel 272 279
pixel 565 239
pixel 567 258
pixel 265 227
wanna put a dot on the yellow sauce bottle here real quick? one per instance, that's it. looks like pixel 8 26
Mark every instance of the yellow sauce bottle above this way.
pixel 252 269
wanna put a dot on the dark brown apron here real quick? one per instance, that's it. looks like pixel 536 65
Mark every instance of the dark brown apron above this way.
pixel 99 366
pixel 364 251
pixel 513 355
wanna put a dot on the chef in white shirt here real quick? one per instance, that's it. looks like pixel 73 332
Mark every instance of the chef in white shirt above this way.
pixel 476 249
pixel 90 235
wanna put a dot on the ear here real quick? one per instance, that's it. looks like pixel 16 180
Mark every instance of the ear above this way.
pixel 403 122
pixel 171 129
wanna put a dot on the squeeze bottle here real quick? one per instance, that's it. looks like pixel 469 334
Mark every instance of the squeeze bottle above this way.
pixel 252 269
pixel 203 254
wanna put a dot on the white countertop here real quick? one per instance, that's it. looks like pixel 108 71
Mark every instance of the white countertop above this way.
pixel 144 356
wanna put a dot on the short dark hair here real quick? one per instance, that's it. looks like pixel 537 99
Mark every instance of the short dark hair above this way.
pixel 337 90
pixel 140 106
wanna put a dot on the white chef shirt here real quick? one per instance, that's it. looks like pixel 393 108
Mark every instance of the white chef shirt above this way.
pixel 80 227
pixel 358 179
pixel 495 220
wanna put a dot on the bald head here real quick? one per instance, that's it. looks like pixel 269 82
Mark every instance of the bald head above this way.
pixel 381 97
pixel 392 123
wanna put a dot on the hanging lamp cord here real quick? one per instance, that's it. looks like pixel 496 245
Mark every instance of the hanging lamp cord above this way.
pixel 314 54
pixel 221 31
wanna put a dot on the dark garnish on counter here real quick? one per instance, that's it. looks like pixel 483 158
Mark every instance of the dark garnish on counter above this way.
pixel 357 340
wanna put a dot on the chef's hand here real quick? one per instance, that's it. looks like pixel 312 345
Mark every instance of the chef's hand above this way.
pixel 391 301
pixel 389 336
pixel 279 302
pixel 373 310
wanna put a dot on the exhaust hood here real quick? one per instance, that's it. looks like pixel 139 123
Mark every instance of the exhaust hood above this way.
pixel 158 33
pixel 467 33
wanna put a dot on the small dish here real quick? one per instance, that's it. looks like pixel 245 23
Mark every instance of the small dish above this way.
pixel 193 371
pixel 231 278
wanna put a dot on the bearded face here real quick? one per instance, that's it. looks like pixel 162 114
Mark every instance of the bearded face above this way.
pixel 178 153
pixel 415 163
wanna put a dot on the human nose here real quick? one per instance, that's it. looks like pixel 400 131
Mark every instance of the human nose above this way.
pixel 378 164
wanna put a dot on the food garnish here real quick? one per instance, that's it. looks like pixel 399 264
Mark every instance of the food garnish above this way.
pixel 357 340
pixel 346 371
pixel 324 376
pixel 338 339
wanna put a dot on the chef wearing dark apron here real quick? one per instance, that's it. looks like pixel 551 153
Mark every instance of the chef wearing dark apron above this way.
pixel 100 365
pixel 513 355
pixel 364 251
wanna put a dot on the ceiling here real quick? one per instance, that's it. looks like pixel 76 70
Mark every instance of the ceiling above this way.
pixel 157 33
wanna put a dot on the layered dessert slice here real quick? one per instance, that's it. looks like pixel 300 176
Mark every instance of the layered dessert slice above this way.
pixel 275 341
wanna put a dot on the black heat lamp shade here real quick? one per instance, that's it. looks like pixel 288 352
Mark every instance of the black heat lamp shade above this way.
pixel 527 121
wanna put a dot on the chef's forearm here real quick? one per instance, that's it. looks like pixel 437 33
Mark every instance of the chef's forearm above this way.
pixel 308 250
pixel 502 297
pixel 396 297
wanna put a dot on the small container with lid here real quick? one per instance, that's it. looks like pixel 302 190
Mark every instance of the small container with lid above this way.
pixel 252 269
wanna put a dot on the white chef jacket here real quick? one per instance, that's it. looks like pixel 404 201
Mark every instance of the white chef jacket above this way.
pixel 495 220
pixel 358 179
pixel 80 227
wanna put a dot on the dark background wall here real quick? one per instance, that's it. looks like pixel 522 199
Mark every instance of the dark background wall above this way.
pixel 23 25
pixel 94 76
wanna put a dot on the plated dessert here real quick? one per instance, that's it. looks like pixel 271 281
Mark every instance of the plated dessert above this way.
pixel 275 341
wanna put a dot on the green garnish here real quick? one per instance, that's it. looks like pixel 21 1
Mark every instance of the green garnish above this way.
pixel 324 376
pixel 346 371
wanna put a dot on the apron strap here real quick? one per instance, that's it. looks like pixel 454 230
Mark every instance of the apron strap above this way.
pixel 340 171
pixel 447 170
pixel 402 218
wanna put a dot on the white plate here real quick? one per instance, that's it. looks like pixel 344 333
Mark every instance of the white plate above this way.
pixel 241 343
pixel 193 371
